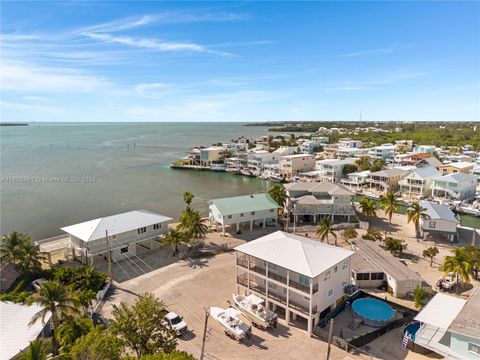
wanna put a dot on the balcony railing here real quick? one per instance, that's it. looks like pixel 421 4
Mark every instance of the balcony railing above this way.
pixel 242 263
pixel 257 288
pixel 279 298
pixel 302 308
pixel 258 270
pixel 277 277
pixel 298 286
pixel 242 280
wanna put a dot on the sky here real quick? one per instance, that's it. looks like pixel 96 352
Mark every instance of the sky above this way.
pixel 99 61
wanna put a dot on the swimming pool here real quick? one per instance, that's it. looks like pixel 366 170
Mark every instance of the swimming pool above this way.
pixel 374 312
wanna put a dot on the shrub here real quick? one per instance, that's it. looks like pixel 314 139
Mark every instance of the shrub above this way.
pixel 372 235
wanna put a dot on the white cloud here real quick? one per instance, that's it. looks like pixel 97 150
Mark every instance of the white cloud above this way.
pixel 379 51
pixel 152 87
pixel 28 107
pixel 17 76
pixel 119 25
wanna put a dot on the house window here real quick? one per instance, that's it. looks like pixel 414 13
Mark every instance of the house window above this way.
pixel 124 250
pixel 326 276
pixel 330 292
pixel 345 264
pixel 272 285
pixel 157 226
pixel 432 224
pixel 142 230
pixel 363 276
pixel 335 269
pixel 229 216
pixel 241 214
pixel 304 280
pixel 474 348
pixel 253 212
pixel 376 276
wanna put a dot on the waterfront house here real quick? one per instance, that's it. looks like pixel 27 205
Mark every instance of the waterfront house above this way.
pixel 416 183
pixel 332 169
pixel 385 180
pixel 292 165
pixel 430 149
pixel 210 155
pixel 450 326
pixel 16 329
pixel 456 167
pixel 440 220
pixel 300 278
pixel 311 201
pixel 458 186
pixel 257 159
pixel 250 209
pixel 356 180
pixel 119 234
pixel 385 152
pixel 309 146
pixel 372 267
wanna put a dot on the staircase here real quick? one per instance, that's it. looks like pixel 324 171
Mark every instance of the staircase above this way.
pixel 353 325
pixel 406 339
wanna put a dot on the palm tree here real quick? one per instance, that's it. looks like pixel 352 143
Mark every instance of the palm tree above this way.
pixel 193 226
pixel 389 206
pixel 325 229
pixel 174 238
pixel 38 349
pixel 459 264
pixel 368 208
pixel 10 244
pixel 56 299
pixel 30 258
pixel 278 194
pixel 188 197
pixel 414 213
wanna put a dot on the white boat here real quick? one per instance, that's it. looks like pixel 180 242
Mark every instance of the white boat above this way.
pixel 233 326
pixel 276 178
pixel 218 167
pixel 469 210
pixel 253 307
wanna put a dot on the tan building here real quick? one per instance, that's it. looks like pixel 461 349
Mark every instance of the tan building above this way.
pixel 456 167
pixel 292 165
pixel 210 155
pixel 385 180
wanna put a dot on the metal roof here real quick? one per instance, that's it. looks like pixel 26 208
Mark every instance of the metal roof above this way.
pixel 467 321
pixel 437 211
pixel 15 329
pixel 441 310
pixel 427 172
pixel 389 172
pixel 457 177
pixel 297 253
pixel 244 204
pixel 376 257
pixel 115 224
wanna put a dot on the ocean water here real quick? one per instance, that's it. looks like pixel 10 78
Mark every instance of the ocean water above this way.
pixel 55 175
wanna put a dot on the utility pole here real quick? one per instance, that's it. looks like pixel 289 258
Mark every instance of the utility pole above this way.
pixel 110 271
pixel 330 336
pixel 207 314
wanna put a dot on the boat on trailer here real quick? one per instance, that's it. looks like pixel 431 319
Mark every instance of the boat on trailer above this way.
pixel 253 307
pixel 232 325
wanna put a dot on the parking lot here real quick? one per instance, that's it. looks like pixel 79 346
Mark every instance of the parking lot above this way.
pixel 190 286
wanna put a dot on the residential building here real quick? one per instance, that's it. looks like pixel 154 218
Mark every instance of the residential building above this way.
pixel 118 234
pixel 251 209
pixel 456 167
pixel 16 330
pixel 311 201
pixel 309 147
pixel 321 139
pixel 356 180
pixel 458 186
pixel 476 172
pixel 440 221
pixel 292 165
pixel 450 326
pixel 285 150
pixel 372 267
pixel 343 152
pixel 210 155
pixel 330 151
pixel 385 180
pixel 429 161
pixel 298 277
pixel 416 183
pixel 385 152
pixel 349 143
pixel 430 149
pixel 332 169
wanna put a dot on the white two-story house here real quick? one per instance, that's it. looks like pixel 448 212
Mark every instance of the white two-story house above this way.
pixel 299 278
pixel 416 183
pixel 332 169
pixel 311 201
pixel 385 151
pixel 291 165
pixel 458 186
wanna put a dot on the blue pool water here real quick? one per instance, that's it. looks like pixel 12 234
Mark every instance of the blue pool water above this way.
pixel 412 329
pixel 372 309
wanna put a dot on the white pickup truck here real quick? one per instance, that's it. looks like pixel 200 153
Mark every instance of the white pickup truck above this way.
pixel 175 322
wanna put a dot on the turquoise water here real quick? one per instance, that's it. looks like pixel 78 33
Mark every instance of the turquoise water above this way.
pixel 465 220
pixel 372 309
pixel 77 172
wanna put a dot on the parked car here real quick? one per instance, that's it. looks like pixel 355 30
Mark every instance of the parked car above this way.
pixel 175 322
pixel 36 284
